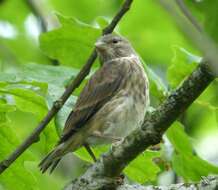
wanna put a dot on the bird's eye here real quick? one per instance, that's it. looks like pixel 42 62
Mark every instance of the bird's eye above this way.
pixel 115 41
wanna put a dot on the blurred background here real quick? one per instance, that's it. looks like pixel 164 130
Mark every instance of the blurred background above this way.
pixel 44 43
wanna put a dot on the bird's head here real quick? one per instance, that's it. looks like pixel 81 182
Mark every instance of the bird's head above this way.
pixel 112 46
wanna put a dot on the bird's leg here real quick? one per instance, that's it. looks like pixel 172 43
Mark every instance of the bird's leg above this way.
pixel 98 134
pixel 89 150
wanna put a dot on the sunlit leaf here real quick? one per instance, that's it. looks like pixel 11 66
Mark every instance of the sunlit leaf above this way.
pixel 182 65
pixel 71 44
pixel 185 161
pixel 143 169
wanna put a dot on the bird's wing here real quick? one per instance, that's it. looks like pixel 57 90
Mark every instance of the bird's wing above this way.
pixel 99 89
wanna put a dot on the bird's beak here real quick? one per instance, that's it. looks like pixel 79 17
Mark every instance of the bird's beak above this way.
pixel 101 46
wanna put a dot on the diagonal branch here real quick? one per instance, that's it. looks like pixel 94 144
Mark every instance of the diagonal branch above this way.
pixel 34 136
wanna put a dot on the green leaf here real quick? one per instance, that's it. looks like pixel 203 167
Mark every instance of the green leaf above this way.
pixel 3 118
pixel 29 101
pixel 46 80
pixel 71 44
pixel 25 94
pixel 143 169
pixel 16 174
pixel 62 115
pixel 185 161
pixel 97 150
pixel 34 88
pixel 180 140
pixel 4 108
pixel 102 22
pixel 157 87
pixel 47 73
pixel 20 175
pixel 206 114
pixel 182 65
pixel 7 108
pixel 191 167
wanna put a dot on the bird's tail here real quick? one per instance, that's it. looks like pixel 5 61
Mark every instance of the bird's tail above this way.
pixel 51 160
pixel 54 157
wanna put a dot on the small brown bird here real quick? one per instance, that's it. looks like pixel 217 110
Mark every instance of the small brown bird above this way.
pixel 111 105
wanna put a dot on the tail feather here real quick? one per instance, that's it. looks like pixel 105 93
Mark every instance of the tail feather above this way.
pixel 50 161
pixel 54 165
pixel 54 157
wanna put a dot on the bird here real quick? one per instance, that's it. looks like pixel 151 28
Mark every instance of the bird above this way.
pixel 112 104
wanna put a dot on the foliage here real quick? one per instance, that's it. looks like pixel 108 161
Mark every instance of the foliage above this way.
pixel 29 84
pixel 185 160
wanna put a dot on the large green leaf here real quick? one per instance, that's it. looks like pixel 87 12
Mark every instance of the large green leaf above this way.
pixel 185 161
pixel 182 65
pixel 71 44
pixel 62 115
pixel 4 108
pixel 7 108
pixel 22 106
pixel 16 175
pixel 84 155
pixel 157 87
pixel 42 79
pixel 34 88
pixel 46 73
pixel 27 100
pixel 20 176
pixel 143 169
pixel 25 94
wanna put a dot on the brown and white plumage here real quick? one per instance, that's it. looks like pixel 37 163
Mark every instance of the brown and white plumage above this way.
pixel 112 103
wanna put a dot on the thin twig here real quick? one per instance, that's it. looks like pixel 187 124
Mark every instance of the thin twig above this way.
pixel 34 136
pixel 188 14
pixel 38 14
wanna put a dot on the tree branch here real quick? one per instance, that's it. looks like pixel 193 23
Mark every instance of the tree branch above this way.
pixel 34 136
pixel 210 183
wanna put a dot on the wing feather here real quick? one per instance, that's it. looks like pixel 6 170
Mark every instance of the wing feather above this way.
pixel 99 89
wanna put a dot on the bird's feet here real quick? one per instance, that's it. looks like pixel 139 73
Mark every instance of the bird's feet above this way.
pixel 120 179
